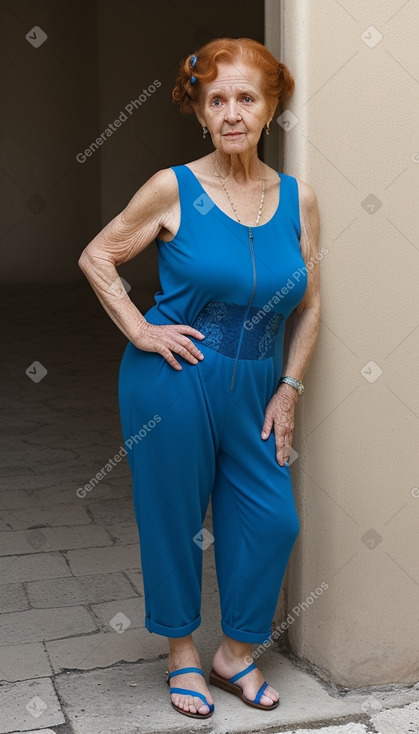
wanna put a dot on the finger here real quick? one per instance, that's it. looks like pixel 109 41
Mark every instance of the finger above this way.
pixel 285 453
pixel 279 444
pixel 185 352
pixel 190 346
pixel 175 339
pixel 167 354
pixel 186 329
pixel 267 426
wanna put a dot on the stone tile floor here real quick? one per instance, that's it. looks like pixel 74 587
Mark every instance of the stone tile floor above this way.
pixel 75 657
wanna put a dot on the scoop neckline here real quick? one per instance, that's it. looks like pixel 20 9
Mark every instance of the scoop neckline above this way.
pixel 235 221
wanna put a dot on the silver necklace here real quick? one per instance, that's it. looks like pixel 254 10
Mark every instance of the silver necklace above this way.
pixel 262 197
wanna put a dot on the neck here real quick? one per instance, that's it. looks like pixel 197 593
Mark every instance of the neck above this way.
pixel 242 167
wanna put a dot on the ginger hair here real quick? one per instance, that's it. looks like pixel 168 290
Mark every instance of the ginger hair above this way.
pixel 278 83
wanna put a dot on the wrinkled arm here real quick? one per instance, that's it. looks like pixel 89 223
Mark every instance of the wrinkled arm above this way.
pixel 301 334
pixel 304 323
pixel 130 232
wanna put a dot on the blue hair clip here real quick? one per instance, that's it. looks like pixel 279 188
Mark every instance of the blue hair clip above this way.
pixel 192 64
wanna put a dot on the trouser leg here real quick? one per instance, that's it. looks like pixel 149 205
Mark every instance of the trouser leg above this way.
pixel 255 523
pixel 173 469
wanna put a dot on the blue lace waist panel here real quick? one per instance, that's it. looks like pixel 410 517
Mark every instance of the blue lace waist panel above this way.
pixel 227 325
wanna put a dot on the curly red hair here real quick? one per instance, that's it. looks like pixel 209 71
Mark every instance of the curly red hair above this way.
pixel 278 83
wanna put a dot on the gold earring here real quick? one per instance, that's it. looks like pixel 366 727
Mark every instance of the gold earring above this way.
pixel 267 127
pixel 204 131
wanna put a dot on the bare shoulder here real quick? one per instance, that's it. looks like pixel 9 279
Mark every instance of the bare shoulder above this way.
pixel 155 205
pixel 309 210
pixel 307 196
pixel 164 181
pixel 309 218
pixel 160 188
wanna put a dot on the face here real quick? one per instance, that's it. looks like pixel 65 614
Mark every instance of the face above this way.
pixel 233 107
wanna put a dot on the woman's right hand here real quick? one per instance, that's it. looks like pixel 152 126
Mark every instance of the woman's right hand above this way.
pixel 167 339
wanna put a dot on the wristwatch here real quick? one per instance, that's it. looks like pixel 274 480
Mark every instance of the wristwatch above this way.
pixel 294 383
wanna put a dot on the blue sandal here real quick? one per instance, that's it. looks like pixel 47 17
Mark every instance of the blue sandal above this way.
pixel 228 684
pixel 191 693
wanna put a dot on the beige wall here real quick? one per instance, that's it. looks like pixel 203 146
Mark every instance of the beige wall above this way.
pixel 356 475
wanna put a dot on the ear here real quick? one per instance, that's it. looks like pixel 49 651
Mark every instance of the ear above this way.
pixel 271 112
pixel 198 113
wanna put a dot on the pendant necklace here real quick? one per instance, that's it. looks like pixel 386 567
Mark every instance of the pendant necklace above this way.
pixel 252 253
pixel 262 197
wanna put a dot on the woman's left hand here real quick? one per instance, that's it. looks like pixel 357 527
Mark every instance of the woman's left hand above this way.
pixel 279 414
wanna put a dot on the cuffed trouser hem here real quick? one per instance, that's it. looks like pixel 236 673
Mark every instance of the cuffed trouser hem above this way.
pixel 243 636
pixel 160 629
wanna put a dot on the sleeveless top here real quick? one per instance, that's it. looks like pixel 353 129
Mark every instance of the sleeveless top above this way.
pixel 209 259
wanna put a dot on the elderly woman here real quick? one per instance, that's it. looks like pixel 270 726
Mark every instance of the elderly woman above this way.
pixel 206 393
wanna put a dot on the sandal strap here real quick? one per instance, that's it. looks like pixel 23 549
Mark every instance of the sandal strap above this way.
pixel 260 692
pixel 185 670
pixel 243 672
pixel 193 693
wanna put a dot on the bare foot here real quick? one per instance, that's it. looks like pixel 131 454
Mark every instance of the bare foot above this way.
pixel 232 657
pixel 185 656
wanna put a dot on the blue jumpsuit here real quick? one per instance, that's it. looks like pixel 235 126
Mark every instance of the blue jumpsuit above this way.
pixel 194 433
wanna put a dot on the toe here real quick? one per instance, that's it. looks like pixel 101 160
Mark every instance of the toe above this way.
pixel 270 696
pixel 191 706
pixel 273 693
pixel 200 707
pixel 267 700
pixel 180 701
pixel 190 703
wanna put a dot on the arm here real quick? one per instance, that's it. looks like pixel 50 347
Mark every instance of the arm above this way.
pixel 151 210
pixel 304 323
pixel 303 329
pixel 128 234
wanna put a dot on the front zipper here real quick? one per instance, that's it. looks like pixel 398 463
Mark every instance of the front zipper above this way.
pixel 252 295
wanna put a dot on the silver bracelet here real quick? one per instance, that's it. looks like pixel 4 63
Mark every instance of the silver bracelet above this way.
pixel 297 384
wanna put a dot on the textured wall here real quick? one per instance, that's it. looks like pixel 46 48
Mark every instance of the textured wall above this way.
pixel 354 139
